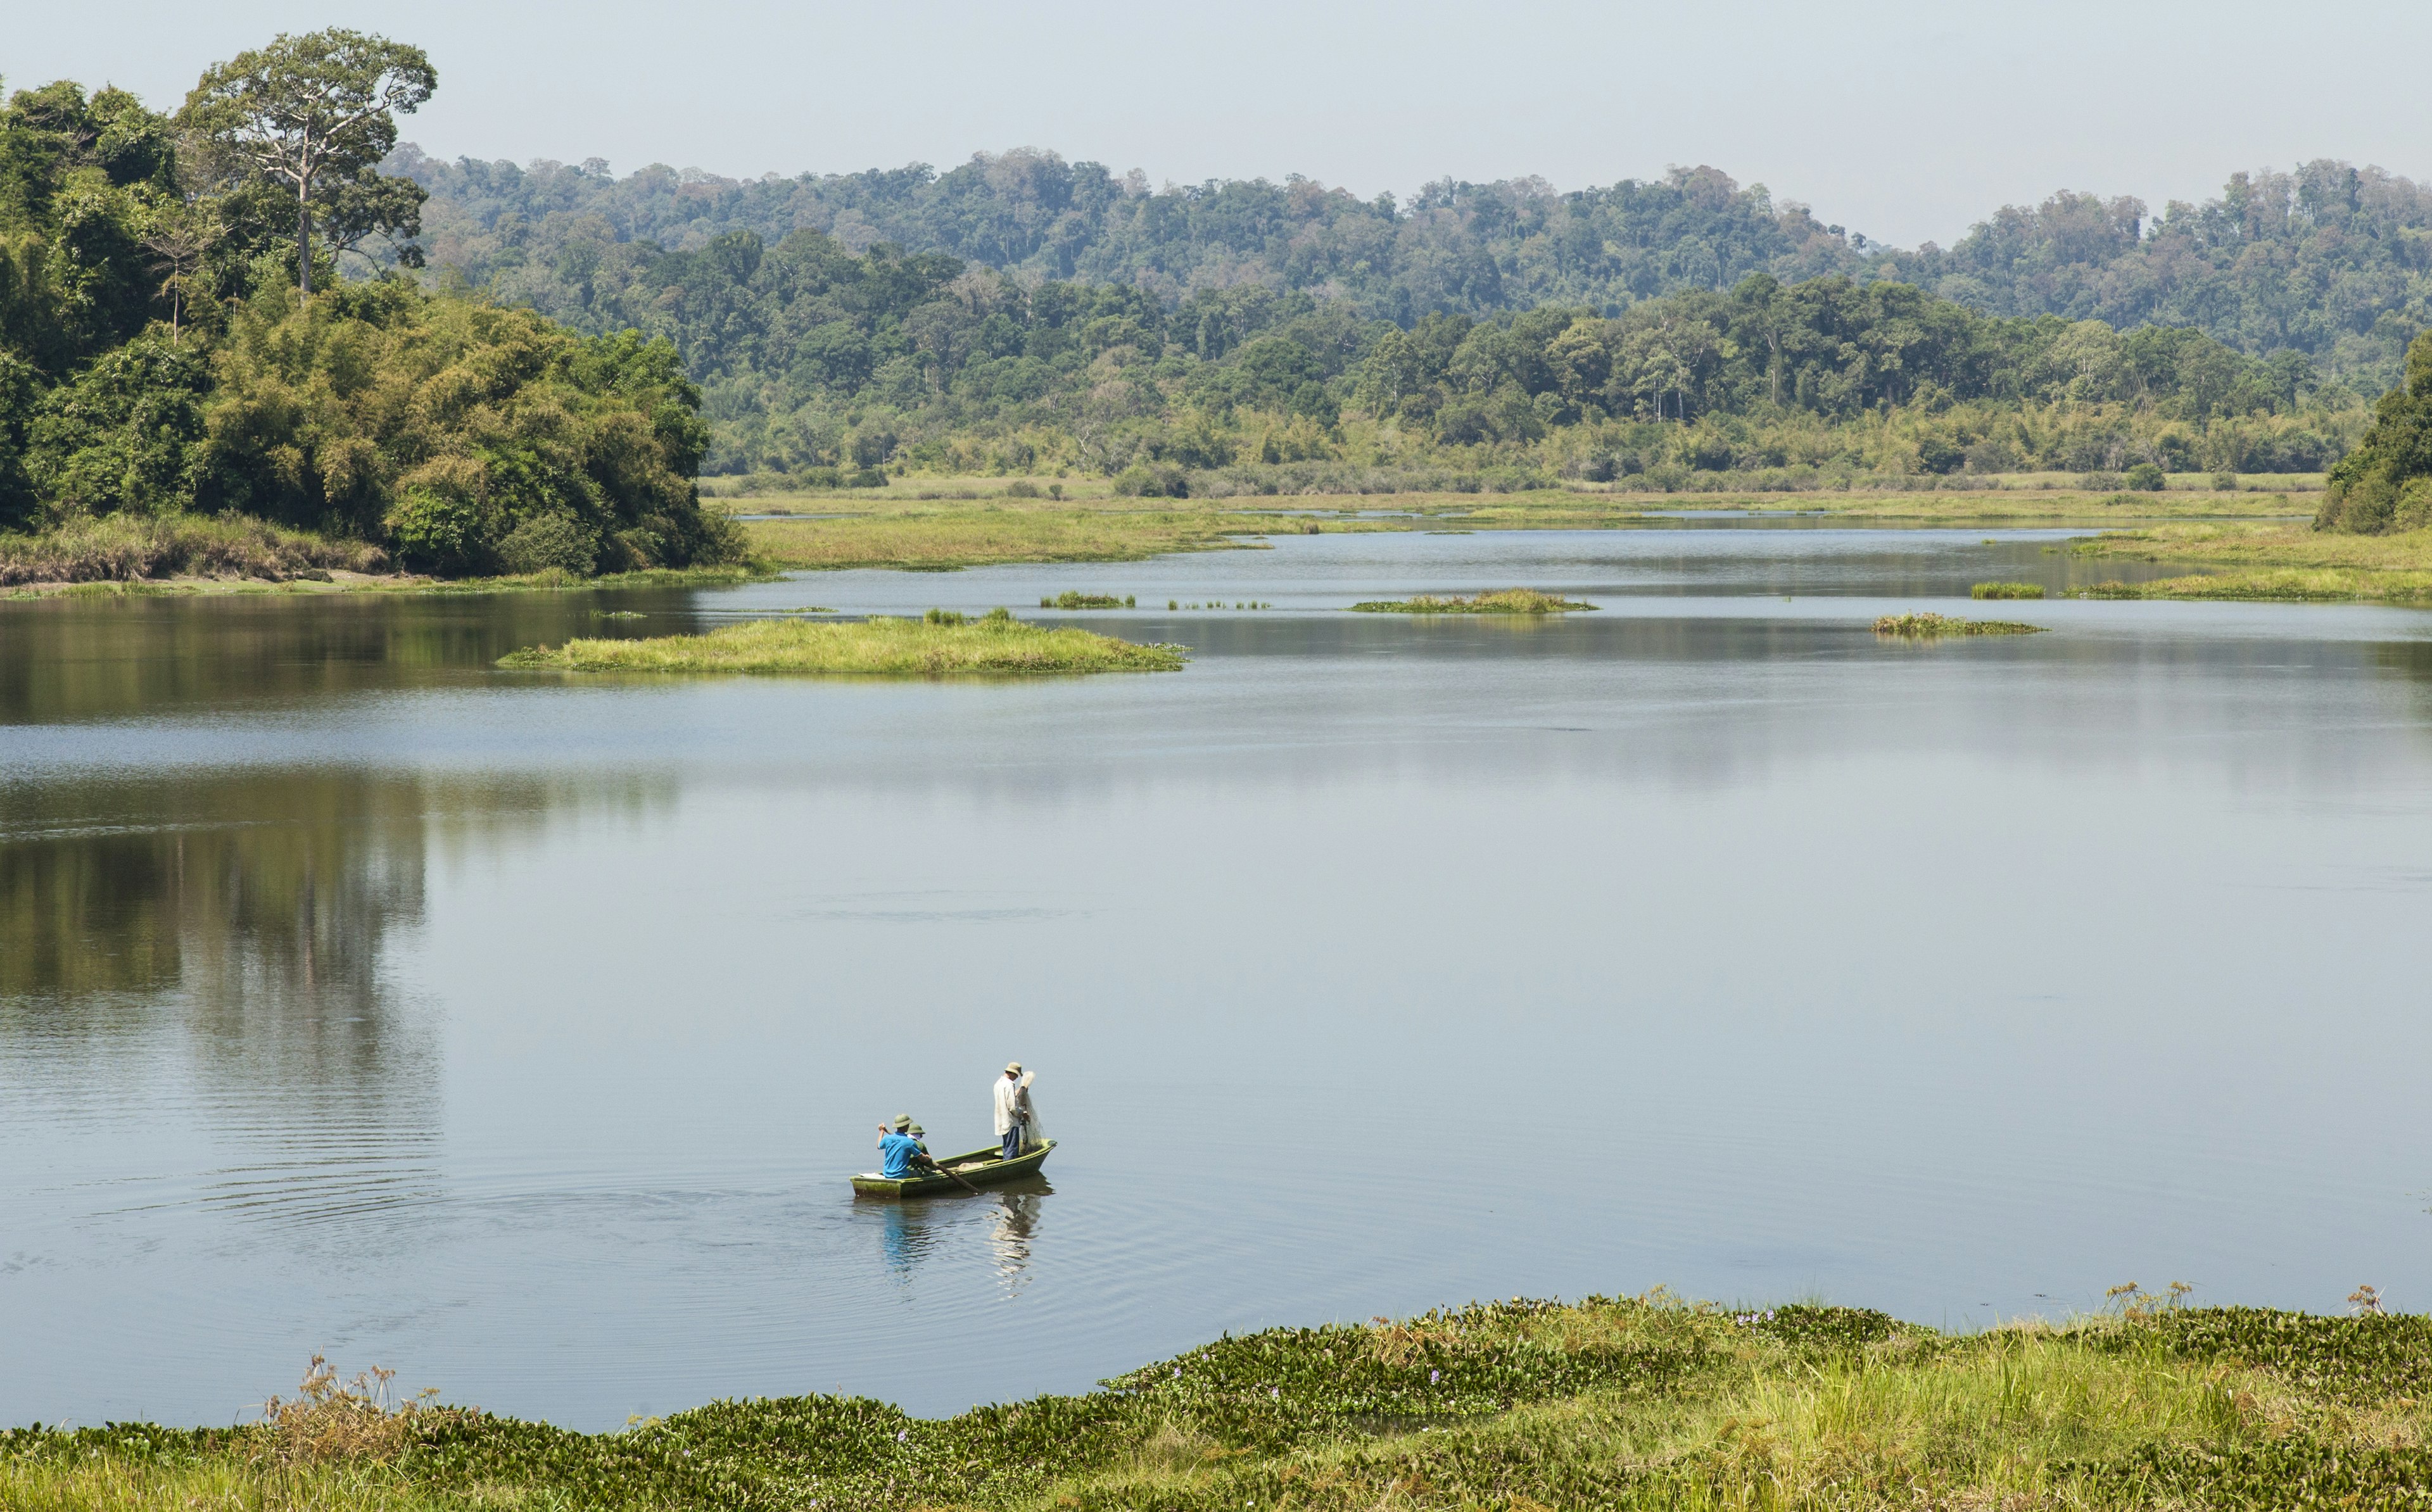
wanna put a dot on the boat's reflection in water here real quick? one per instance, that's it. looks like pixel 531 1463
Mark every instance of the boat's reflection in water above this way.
pixel 1004 1218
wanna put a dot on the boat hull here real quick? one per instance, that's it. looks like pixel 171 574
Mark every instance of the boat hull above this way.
pixel 980 1167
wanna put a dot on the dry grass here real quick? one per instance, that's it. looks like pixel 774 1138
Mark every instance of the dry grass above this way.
pixel 132 548
pixel 943 644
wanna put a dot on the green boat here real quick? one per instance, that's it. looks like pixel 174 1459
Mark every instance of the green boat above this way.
pixel 981 1167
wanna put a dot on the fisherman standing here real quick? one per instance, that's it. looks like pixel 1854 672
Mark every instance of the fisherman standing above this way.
pixel 1012 1109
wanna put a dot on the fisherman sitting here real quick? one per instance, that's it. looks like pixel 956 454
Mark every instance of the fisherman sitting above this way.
pixel 922 1161
pixel 898 1149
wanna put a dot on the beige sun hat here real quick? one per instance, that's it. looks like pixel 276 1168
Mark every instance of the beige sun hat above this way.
pixel 1013 1068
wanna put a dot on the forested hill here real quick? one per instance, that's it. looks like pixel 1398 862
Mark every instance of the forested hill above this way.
pixel 2330 260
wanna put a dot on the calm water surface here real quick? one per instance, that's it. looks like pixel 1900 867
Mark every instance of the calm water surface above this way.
pixel 518 1032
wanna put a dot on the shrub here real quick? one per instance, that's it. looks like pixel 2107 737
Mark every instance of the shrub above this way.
pixel 1155 481
pixel 554 539
pixel 2144 478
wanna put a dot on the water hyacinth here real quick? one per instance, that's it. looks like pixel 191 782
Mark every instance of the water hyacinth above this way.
pixel 1508 1404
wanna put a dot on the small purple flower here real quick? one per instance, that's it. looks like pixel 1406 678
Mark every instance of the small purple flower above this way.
pixel 1433 1376
pixel 898 1435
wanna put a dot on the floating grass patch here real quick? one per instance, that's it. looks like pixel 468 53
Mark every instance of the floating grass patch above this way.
pixel 2006 590
pixel 1927 627
pixel 944 642
pixel 1070 599
pixel 1499 601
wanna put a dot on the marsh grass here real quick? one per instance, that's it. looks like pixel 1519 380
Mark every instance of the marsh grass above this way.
pixel 2006 590
pixel 2288 564
pixel 1634 1403
pixel 945 642
pixel 1071 600
pixel 1497 601
pixel 1927 626
pixel 131 549
pixel 1029 531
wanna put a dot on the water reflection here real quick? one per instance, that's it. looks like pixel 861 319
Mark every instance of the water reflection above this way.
pixel 1015 1220
pixel 1004 1218
pixel 223 944
pixel 70 659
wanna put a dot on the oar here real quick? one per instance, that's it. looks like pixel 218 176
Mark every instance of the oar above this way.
pixel 958 1179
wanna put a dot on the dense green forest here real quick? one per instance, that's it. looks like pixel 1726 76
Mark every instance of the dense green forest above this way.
pixel 2386 483
pixel 2330 261
pixel 164 353
pixel 480 368
pixel 817 360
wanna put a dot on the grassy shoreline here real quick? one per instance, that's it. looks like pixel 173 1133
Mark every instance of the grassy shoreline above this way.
pixel 1521 1406
pixel 193 555
pixel 944 645
pixel 2283 563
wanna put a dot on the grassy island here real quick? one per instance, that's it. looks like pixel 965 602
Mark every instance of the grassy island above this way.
pixel 1519 1406
pixel 1499 602
pixel 2006 590
pixel 945 644
pixel 1928 626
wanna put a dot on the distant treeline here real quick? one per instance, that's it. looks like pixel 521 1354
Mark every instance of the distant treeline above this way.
pixel 2330 260
pixel 813 358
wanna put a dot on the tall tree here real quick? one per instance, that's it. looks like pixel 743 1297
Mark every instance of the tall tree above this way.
pixel 316 114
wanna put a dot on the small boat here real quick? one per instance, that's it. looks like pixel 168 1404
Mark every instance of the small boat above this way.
pixel 981 1167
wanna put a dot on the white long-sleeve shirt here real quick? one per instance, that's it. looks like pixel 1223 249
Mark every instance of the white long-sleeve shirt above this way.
pixel 1009 1105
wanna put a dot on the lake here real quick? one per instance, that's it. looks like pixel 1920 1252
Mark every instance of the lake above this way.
pixel 518 1032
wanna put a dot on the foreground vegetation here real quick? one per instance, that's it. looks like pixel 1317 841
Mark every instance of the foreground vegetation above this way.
pixel 945 644
pixel 1515 1407
pixel 1496 601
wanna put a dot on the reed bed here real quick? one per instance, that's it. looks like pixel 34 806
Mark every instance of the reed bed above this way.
pixel 2006 590
pixel 943 644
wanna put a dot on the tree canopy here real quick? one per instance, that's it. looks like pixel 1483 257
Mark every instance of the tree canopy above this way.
pixel 2386 483
pixel 2330 261
pixel 155 357
pixel 316 114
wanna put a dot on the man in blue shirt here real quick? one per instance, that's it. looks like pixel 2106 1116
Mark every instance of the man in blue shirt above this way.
pixel 897 1149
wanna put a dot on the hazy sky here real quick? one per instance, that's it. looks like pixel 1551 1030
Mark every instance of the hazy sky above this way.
pixel 1906 121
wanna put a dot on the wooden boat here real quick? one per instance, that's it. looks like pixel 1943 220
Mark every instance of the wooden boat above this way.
pixel 981 1167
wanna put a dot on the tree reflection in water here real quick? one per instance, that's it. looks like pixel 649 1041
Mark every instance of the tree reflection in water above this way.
pixel 216 948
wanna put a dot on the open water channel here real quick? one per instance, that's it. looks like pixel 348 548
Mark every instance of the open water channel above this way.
pixel 518 1032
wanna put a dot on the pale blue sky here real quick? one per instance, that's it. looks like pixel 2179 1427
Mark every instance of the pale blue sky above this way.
pixel 1903 120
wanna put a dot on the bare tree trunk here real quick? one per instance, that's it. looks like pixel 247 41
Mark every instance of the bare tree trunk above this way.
pixel 303 239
